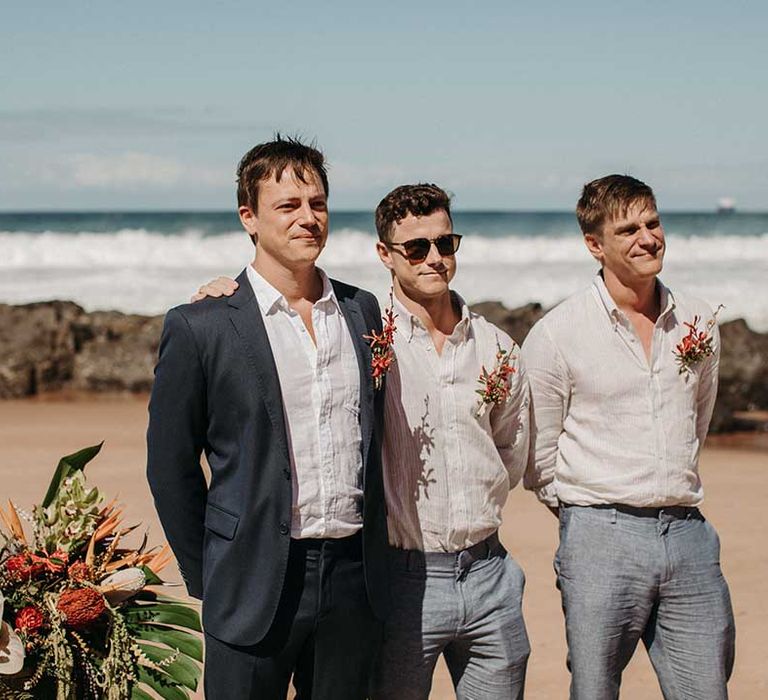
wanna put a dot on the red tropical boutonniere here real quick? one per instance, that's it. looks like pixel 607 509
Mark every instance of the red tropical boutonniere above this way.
pixel 495 384
pixel 696 345
pixel 382 354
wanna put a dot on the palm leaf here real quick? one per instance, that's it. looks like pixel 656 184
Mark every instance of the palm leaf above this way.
pixel 182 669
pixel 162 684
pixel 138 694
pixel 167 613
pixel 154 597
pixel 71 463
pixel 186 642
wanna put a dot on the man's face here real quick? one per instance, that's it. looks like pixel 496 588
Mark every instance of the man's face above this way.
pixel 291 221
pixel 630 246
pixel 424 280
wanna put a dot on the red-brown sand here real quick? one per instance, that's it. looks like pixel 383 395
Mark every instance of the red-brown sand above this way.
pixel 35 433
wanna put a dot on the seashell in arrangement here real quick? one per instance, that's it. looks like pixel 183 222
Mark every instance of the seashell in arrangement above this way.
pixel 11 647
pixel 121 585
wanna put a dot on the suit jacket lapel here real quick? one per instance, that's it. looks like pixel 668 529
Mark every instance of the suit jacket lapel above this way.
pixel 246 317
pixel 357 327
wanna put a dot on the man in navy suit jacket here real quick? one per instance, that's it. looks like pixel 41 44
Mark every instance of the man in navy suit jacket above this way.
pixel 285 545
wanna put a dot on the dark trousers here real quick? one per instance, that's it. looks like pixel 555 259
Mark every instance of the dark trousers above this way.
pixel 324 633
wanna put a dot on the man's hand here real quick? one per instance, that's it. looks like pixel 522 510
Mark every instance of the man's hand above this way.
pixel 221 286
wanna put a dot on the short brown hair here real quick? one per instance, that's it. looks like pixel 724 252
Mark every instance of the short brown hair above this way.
pixel 272 158
pixel 418 200
pixel 610 196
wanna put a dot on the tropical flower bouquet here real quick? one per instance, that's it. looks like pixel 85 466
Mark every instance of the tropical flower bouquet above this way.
pixel 78 614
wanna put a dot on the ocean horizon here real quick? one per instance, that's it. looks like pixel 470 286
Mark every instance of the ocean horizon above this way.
pixel 148 261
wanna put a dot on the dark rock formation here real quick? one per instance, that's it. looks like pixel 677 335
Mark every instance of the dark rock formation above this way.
pixel 52 346
pixel 37 347
pixel 117 352
pixel 743 375
pixel 49 346
pixel 516 322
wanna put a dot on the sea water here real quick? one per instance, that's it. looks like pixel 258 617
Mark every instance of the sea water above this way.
pixel 148 262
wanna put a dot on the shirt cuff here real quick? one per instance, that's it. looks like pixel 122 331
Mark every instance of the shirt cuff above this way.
pixel 548 495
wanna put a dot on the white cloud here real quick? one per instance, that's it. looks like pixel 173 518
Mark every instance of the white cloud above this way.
pixel 129 170
pixel 124 170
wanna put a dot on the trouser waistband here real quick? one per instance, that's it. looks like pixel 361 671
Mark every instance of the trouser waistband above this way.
pixel 459 562
pixel 353 543
pixel 674 512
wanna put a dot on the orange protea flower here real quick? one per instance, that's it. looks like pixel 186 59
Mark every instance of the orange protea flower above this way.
pixel 80 571
pixel 81 606
pixel 29 620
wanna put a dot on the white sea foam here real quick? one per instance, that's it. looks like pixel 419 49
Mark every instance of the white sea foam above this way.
pixel 138 270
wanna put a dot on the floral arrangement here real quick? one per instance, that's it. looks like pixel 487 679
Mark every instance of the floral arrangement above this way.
pixel 78 616
pixel 382 354
pixel 696 345
pixel 495 384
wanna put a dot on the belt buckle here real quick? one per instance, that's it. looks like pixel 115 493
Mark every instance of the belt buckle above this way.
pixel 463 562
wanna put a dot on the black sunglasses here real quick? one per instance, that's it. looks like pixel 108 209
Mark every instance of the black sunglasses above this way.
pixel 417 249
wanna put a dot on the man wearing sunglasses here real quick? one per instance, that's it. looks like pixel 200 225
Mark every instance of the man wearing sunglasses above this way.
pixel 449 462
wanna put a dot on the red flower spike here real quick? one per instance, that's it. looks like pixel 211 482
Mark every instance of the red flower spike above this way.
pixel 81 606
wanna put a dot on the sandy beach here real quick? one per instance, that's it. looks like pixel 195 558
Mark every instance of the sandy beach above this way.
pixel 35 433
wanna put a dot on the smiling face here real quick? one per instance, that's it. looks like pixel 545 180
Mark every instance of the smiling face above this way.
pixel 290 225
pixel 427 280
pixel 630 245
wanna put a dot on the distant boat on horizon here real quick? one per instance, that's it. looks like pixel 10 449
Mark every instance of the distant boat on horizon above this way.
pixel 726 205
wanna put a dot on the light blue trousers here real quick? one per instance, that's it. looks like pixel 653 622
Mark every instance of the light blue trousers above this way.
pixel 473 617
pixel 627 574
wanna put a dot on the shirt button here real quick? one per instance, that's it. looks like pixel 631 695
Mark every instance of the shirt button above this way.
pixel 284 529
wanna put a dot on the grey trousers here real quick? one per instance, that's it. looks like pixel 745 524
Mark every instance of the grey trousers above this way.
pixel 627 574
pixel 471 615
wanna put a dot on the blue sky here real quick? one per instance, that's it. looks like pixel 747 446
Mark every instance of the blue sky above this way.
pixel 149 105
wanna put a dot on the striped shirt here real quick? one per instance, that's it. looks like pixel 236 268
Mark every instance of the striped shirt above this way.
pixel 447 472
pixel 610 425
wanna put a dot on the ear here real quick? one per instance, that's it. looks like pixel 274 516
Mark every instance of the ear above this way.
pixel 594 246
pixel 385 255
pixel 247 219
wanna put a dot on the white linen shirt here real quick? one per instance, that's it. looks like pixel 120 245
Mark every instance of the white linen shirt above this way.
pixel 447 472
pixel 610 426
pixel 320 388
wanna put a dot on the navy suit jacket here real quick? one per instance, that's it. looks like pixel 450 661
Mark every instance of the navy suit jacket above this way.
pixel 217 391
